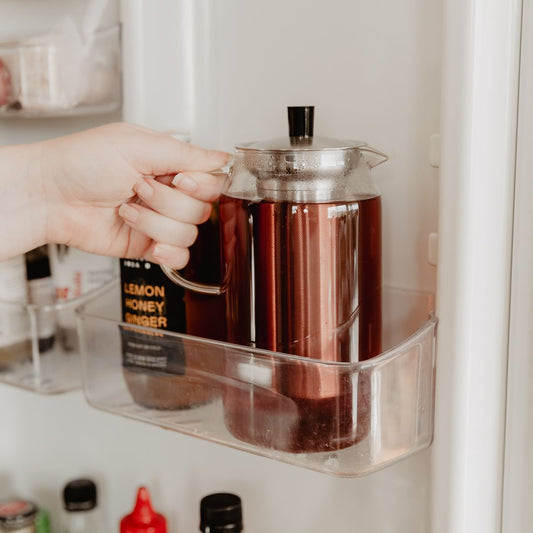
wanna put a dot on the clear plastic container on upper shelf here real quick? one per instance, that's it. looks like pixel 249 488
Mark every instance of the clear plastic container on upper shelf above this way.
pixel 381 409
pixel 61 72
pixel 46 368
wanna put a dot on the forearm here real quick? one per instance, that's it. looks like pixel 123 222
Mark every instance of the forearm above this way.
pixel 23 211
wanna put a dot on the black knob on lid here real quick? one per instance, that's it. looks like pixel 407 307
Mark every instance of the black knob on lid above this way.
pixel 301 120
pixel 221 512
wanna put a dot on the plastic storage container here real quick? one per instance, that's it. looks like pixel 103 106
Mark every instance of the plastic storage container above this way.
pixel 384 414
pixel 58 74
pixel 46 369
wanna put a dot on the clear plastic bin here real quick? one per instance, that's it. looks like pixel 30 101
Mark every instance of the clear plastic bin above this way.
pixel 380 411
pixel 48 367
pixel 52 75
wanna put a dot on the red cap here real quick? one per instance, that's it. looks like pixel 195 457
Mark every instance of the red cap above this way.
pixel 143 518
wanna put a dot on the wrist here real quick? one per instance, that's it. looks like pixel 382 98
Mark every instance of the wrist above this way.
pixel 22 199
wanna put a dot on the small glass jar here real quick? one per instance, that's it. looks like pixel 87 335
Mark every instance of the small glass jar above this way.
pixel 17 516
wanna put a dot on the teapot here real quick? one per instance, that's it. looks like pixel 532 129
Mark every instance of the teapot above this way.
pixel 300 240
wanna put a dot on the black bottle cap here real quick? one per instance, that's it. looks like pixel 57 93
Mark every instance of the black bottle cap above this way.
pixel 221 512
pixel 37 264
pixel 301 121
pixel 79 495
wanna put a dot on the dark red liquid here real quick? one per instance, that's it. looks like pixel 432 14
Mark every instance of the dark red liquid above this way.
pixel 205 313
pixel 303 279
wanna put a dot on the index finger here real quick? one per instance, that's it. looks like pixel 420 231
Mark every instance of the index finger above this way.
pixel 200 185
pixel 160 153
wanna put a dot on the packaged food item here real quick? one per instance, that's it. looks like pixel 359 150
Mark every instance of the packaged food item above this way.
pixel 161 371
pixel 41 292
pixel 81 513
pixel 74 273
pixel 143 518
pixel 61 71
pixel 156 369
pixel 18 516
pixel 15 343
pixel 221 512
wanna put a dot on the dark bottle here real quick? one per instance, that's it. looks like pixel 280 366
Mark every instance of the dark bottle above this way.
pixel 81 513
pixel 221 512
pixel 41 292
pixel 162 371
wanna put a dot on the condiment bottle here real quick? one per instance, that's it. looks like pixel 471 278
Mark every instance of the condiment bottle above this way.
pixel 81 513
pixel 17 516
pixel 143 518
pixel 41 292
pixel 221 512
pixel 15 341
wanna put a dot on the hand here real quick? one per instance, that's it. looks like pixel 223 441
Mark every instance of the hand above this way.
pixel 109 191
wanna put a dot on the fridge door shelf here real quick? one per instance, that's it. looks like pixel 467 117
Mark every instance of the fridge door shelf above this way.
pixel 47 360
pixel 56 74
pixel 353 419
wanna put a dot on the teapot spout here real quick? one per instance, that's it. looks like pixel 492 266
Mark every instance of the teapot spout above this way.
pixel 376 158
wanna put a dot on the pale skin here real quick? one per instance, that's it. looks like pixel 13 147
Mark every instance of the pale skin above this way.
pixel 119 190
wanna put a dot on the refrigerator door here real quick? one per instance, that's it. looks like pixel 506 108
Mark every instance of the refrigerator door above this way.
pixel 517 485
pixel 479 121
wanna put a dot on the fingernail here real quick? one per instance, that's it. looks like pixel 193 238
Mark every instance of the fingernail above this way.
pixel 128 213
pixel 183 182
pixel 169 255
pixel 223 157
pixel 143 189
pixel 161 252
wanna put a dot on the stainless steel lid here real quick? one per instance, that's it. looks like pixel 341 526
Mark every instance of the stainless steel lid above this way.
pixel 304 168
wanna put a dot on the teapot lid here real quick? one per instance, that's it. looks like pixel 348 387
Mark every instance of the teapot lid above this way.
pixel 301 125
pixel 301 167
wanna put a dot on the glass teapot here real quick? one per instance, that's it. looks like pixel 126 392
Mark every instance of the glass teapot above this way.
pixel 300 240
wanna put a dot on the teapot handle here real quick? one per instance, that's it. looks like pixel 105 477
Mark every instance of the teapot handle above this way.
pixel 382 158
pixel 202 288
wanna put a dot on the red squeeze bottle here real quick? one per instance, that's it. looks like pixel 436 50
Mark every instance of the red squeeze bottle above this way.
pixel 143 518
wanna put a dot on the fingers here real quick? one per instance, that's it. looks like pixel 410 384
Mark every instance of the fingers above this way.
pixel 158 227
pixel 171 202
pixel 159 153
pixel 166 254
pixel 200 185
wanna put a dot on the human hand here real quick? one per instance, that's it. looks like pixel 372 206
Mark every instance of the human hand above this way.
pixel 109 191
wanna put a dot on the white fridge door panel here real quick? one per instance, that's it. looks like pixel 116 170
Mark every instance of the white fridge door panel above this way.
pixel 479 120
pixel 518 476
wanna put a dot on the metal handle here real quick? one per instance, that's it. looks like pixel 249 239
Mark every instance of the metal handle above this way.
pixel 202 288
pixel 383 157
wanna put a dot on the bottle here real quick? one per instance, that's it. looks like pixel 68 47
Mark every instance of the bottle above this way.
pixel 143 518
pixel 42 522
pixel 74 273
pixel 15 341
pixel 41 292
pixel 17 516
pixel 221 512
pixel 81 513
pixel 160 370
